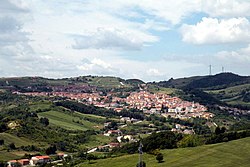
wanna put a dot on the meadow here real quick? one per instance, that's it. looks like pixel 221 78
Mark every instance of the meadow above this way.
pixel 230 154
pixel 69 122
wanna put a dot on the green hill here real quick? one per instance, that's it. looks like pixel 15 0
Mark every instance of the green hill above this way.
pixel 217 81
pixel 221 80
pixel 44 84
pixel 215 89
pixel 32 81
pixel 231 154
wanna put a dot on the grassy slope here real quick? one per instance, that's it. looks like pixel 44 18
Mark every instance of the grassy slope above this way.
pixel 169 91
pixel 18 141
pixel 109 82
pixel 45 105
pixel 97 140
pixel 231 154
pixel 66 121
pixel 5 156
pixel 231 95
pixel 231 91
pixel 8 138
pixel 97 118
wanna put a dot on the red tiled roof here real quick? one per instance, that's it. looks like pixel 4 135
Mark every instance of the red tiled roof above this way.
pixel 22 160
pixel 43 157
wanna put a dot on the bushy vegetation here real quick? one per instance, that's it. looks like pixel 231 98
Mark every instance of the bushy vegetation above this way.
pixel 19 120
pixel 170 140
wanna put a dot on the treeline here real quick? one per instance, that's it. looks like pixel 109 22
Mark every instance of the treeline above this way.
pixel 161 140
pixel 228 136
pixel 91 109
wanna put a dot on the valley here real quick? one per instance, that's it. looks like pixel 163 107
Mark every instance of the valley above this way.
pixel 106 117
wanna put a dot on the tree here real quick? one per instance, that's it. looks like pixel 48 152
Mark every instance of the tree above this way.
pixel 68 159
pixel 12 146
pixel 1 142
pixel 51 150
pixel 3 127
pixel 90 157
pixel 141 164
pixel 159 157
pixel 3 164
pixel 113 125
pixel 82 153
pixel 223 130
pixel 61 145
pixel 44 121
pixel 219 130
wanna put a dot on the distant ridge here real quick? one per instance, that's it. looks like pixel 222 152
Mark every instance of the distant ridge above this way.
pixel 218 80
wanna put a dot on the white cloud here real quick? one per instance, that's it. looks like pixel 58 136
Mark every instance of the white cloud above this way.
pixel 36 37
pixel 112 38
pixel 12 7
pixel 213 30
pixel 89 65
pixel 13 39
pixel 96 67
pixel 153 72
pixel 171 10
pixel 11 31
pixel 239 57
pixel 226 8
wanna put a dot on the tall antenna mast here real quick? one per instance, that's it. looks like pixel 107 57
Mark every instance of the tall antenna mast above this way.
pixel 222 69
pixel 210 69
pixel 140 155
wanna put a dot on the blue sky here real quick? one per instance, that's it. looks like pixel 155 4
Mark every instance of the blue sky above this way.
pixel 147 39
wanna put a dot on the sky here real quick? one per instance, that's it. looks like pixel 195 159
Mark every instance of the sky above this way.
pixel 151 40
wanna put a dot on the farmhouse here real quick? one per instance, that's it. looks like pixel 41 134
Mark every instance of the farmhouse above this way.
pixel 39 159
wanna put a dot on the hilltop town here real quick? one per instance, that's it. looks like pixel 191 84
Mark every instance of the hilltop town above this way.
pixel 149 103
